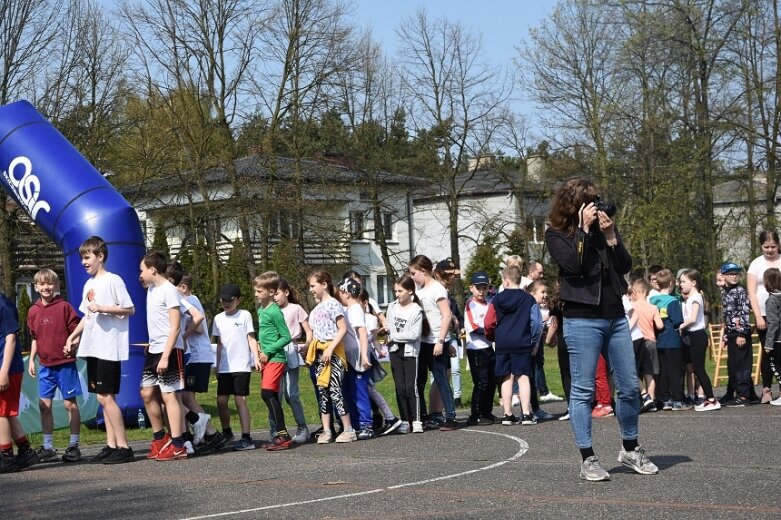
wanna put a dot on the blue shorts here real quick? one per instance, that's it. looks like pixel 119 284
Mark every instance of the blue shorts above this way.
pixel 65 377
pixel 517 364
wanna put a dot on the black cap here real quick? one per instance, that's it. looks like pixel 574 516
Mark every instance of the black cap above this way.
pixel 480 277
pixel 229 291
pixel 350 286
pixel 448 266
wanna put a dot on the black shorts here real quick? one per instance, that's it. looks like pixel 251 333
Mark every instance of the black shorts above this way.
pixel 645 366
pixel 103 376
pixel 516 363
pixel 196 377
pixel 234 383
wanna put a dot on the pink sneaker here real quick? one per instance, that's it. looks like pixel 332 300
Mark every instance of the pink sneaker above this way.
pixel 602 411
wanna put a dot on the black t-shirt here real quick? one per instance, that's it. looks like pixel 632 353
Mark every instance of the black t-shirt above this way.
pixel 610 305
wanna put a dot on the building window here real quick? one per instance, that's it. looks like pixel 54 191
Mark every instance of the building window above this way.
pixel 357 225
pixel 284 225
pixel 385 294
pixel 536 226
pixel 385 221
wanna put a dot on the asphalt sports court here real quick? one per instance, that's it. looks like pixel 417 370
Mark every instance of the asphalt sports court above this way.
pixel 722 464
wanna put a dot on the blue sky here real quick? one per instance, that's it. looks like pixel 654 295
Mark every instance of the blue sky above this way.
pixel 502 24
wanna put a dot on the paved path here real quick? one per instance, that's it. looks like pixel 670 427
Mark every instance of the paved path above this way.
pixel 724 464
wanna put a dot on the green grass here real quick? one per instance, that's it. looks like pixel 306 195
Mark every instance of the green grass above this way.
pixel 259 413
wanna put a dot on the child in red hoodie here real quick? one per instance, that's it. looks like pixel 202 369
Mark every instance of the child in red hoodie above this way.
pixel 50 321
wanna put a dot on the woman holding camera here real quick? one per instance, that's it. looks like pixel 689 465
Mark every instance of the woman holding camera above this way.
pixel 592 260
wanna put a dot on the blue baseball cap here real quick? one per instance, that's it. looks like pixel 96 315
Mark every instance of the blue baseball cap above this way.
pixel 480 277
pixel 730 267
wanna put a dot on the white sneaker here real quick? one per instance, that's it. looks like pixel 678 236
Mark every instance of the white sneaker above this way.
pixel 189 447
pixel 550 397
pixel 516 401
pixel 417 427
pixel 199 428
pixel 564 417
pixel 776 402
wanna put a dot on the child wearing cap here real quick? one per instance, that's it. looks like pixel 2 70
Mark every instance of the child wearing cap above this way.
pixel 480 352
pixel 237 353
pixel 737 330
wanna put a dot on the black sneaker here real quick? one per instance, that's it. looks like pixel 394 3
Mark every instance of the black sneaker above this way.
pixel 47 454
pixel 391 425
pixel 9 463
pixel 433 424
pixel 72 454
pixel 449 425
pixel 488 419
pixel 217 441
pixel 102 455
pixel 27 457
pixel 528 419
pixel 509 420
pixel 738 403
pixel 120 456
pixel 726 399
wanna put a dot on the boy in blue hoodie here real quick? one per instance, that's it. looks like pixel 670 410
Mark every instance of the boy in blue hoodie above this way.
pixel 668 345
pixel 514 322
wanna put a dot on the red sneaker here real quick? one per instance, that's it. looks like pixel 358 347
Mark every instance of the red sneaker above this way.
pixel 601 411
pixel 157 446
pixel 279 443
pixel 171 452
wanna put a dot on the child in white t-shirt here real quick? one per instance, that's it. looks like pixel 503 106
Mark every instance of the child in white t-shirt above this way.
pixel 237 354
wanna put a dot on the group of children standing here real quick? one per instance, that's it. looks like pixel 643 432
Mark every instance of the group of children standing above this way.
pixel 339 343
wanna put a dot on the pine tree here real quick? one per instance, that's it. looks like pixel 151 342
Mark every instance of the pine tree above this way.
pixel 159 241
pixel 235 271
pixel 486 258
pixel 24 310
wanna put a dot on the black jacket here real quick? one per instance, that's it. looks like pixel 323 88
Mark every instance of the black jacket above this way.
pixel 580 259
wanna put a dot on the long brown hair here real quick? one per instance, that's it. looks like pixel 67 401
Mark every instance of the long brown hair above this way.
pixel 408 283
pixel 324 277
pixel 293 296
pixel 567 201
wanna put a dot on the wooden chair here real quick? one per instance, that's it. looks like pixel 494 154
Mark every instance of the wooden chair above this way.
pixel 718 351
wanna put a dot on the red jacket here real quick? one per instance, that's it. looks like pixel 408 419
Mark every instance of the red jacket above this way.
pixel 50 325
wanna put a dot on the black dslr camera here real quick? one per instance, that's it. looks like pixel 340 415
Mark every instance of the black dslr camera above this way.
pixel 607 207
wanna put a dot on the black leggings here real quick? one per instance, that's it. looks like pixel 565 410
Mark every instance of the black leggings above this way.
pixel 405 374
pixel 767 373
pixel 271 398
pixel 670 374
pixel 698 347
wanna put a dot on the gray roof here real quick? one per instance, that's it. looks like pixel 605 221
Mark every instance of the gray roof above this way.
pixel 257 168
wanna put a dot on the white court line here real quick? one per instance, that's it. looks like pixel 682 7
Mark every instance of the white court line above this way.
pixel 523 448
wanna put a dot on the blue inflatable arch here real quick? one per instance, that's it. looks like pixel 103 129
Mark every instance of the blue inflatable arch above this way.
pixel 71 201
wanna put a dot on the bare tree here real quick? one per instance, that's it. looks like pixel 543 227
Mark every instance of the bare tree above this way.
pixel 27 30
pixel 454 93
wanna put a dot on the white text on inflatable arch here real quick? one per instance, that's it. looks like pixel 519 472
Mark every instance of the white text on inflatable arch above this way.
pixel 27 186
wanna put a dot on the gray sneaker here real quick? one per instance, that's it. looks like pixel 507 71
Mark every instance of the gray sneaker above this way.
pixel 592 470
pixel 637 461
pixel 47 454
pixel 302 435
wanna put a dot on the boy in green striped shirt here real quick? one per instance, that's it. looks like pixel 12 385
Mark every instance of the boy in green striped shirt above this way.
pixel 273 337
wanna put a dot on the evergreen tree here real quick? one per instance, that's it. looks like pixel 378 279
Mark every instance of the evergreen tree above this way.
pixel 283 261
pixel 486 258
pixel 24 310
pixel 159 241
pixel 235 271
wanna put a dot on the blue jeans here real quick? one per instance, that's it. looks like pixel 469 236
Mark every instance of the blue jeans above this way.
pixel 586 338
pixel 438 366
